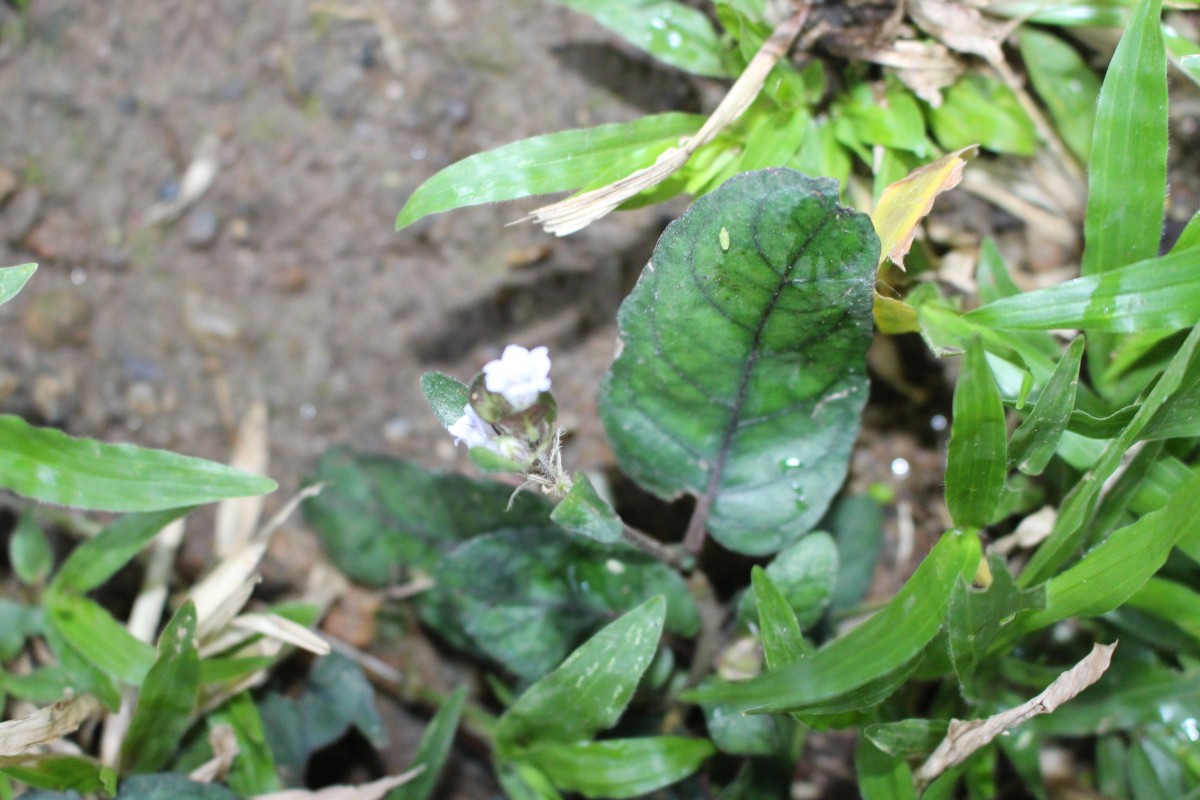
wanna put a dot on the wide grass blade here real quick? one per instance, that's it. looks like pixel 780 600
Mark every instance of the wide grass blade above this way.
pixel 975 461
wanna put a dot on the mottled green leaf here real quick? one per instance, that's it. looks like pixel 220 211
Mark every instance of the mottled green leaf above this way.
pixel 555 162
pixel 29 551
pixel 447 396
pixel 12 279
pixel 170 786
pixel 979 109
pixel 881 776
pixel 48 465
pixel 588 692
pixel 975 461
pixel 742 376
pixel 98 559
pixel 619 768
pixel 379 517
pixel 674 33
pixel 882 645
pixel 527 597
pixel 1066 84
pixel 1158 294
pixel 166 699
pixel 585 513
pixel 1034 442
pixel 433 750
pixel 805 573
pixel 738 733
pixel 1127 175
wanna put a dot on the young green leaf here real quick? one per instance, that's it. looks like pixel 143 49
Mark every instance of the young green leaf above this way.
pixel 99 558
pixel 29 552
pixel 63 773
pixel 881 646
pixel 447 396
pixel 99 638
pixel 725 347
pixel 1128 171
pixel 48 465
pixel 43 685
pixel 782 641
pixel 526 597
pixel 433 749
pixel 13 278
pixel 556 162
pixel 85 675
pixel 1158 294
pixel 977 617
pixel 166 699
pixel 676 34
pixel 619 768
pixel 1033 443
pixel 586 513
pixel 1066 84
pixel 253 769
pixel 588 692
pixel 805 574
pixel 975 462
pixel 881 776
pixel 981 110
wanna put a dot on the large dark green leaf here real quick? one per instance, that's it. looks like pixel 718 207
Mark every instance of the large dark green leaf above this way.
pixel 883 645
pixel 975 461
pixel 380 516
pixel 13 278
pixel 170 786
pixel 742 373
pixel 672 32
pixel 619 768
pixel 588 692
pixel 166 698
pixel 50 466
pixel 556 162
pixel 526 597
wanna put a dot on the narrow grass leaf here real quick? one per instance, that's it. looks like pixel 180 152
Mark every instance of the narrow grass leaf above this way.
pixel 101 640
pixel 753 317
pixel 782 641
pixel 253 770
pixel 1128 170
pixel 59 773
pixel 805 574
pixel 907 739
pixel 1190 237
pixel 991 275
pixel 1066 84
pixel 675 34
pixel 556 162
pixel 48 465
pixel 166 698
pixel 881 776
pixel 434 748
pixel 85 675
pixel 975 461
pixel 1034 442
pixel 586 513
pixel 1171 601
pixel 885 643
pixel 620 768
pixel 1079 505
pixel 13 278
pixel 588 692
pixel 98 559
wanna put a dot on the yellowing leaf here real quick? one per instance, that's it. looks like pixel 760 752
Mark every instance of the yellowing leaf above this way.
pixel 906 202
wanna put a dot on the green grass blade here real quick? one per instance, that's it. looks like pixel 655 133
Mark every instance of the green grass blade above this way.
pixel 433 749
pixel 98 559
pixel 1158 294
pixel 881 776
pixel 98 638
pixel 555 162
pixel 1066 84
pixel 1170 601
pixel 1128 171
pixel 1033 443
pixel 975 461
pixel 782 641
pixel 166 699
pixel 13 278
pixel 48 465
pixel 886 642
pixel 253 771
pixel 674 33
pixel 620 768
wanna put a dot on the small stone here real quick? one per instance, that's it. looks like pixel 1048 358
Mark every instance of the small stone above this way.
pixel 239 230
pixel 208 319
pixel 8 184
pixel 53 396
pixel 142 399
pixel 58 317
pixel 397 430
pixel 20 214
pixel 201 228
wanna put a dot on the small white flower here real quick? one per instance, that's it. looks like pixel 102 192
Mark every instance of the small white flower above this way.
pixel 519 374
pixel 471 428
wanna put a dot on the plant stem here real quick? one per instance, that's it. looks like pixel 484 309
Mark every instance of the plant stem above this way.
pixel 652 547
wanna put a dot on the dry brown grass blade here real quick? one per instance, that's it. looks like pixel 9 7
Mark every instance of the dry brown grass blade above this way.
pixel 964 738
pixel 575 213
pixel 237 516
pixel 197 179
pixel 366 791
pixel 284 630
pixel 18 736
